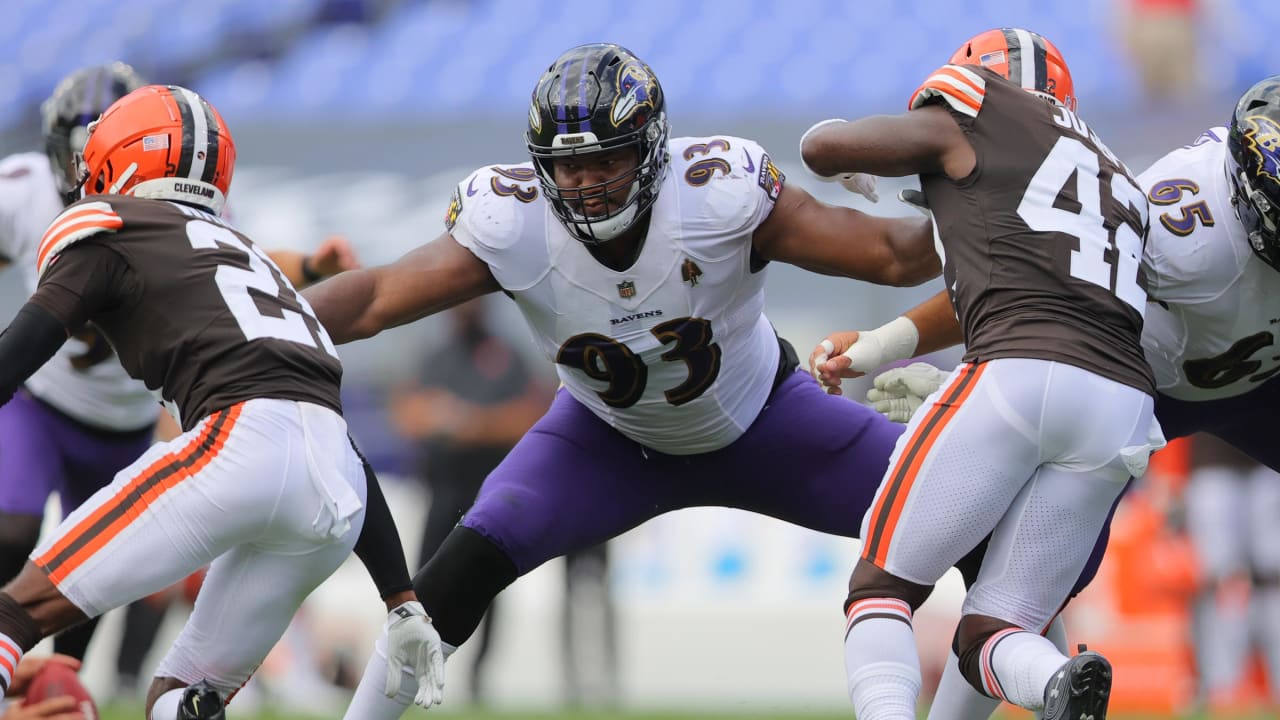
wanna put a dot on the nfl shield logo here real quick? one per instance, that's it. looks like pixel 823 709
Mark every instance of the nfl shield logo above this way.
pixel 626 289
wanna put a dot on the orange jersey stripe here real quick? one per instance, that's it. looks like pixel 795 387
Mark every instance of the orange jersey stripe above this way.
pixel 888 508
pixel 5 662
pixel 105 524
pixel 956 85
pixel 73 223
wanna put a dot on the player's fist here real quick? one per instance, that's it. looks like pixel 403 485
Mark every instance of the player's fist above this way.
pixel 334 256
pixel 829 364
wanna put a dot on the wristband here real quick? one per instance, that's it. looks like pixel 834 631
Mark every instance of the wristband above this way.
pixel 309 273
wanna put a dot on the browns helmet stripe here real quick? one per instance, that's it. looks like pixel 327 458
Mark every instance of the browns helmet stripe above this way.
pixel 199 153
pixel 1026 59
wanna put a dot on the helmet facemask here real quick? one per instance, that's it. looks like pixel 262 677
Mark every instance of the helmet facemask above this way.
pixel 637 186
pixel 1253 167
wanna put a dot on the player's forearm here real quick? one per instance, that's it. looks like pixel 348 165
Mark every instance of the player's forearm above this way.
pixel 935 320
pixel 29 341
pixel 915 259
pixel 345 305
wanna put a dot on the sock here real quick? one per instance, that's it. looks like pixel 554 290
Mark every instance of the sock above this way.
pixel 10 655
pixel 166 706
pixel 881 661
pixel 1266 607
pixel 1017 666
pixel 1056 633
pixel 956 699
pixel 369 701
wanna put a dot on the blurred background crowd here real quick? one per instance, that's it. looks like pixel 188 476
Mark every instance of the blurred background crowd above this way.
pixel 357 117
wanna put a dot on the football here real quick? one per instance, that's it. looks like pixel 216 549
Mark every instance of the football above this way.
pixel 55 679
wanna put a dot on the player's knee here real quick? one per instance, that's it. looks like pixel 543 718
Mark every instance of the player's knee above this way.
pixel 460 581
pixel 869 581
pixel 971 634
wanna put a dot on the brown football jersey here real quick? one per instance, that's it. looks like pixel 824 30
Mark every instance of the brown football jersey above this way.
pixel 1042 242
pixel 192 307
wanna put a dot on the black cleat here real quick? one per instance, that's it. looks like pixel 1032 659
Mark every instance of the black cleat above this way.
pixel 201 702
pixel 1080 690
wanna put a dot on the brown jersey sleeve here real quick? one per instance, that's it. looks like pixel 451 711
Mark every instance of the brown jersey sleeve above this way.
pixel 85 279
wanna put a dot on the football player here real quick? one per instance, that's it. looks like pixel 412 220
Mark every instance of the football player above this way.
pixel 1212 259
pixel 263 484
pixel 1035 435
pixel 80 418
pixel 639 262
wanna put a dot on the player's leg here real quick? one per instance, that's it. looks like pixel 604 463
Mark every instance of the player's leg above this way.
pixel 30 470
pixel 92 460
pixel 298 484
pixel 1217 516
pixel 1264 541
pixel 1093 435
pixel 940 497
pixel 117 546
pixel 570 483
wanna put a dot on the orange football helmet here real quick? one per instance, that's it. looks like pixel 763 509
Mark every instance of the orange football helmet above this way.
pixel 1024 57
pixel 164 142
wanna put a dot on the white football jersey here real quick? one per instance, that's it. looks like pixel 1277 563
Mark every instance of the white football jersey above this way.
pixel 1212 316
pixel 101 394
pixel 675 352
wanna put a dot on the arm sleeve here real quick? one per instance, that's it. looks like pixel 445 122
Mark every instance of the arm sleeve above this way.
pixel 379 546
pixel 29 341
pixel 86 278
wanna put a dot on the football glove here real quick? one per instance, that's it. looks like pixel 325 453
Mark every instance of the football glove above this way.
pixel 898 409
pixel 915 199
pixel 413 642
pixel 899 392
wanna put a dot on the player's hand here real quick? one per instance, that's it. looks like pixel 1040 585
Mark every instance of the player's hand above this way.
pixel 31 665
pixel 860 184
pixel 334 256
pixel 916 199
pixel 899 392
pixel 63 707
pixel 413 642
pixel 829 370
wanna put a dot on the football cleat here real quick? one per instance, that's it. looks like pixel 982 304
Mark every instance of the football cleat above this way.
pixel 1080 689
pixel 201 702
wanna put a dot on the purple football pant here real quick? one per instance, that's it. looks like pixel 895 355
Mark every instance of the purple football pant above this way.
pixel 1244 421
pixel 43 452
pixel 810 459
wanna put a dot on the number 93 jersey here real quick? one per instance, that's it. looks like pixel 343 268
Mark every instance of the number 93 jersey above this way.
pixel 1211 326
pixel 675 351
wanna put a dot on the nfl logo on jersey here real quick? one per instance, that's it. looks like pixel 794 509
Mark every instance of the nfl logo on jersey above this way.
pixel 626 289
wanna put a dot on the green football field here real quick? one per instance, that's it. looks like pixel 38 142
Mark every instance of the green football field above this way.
pixel 126 713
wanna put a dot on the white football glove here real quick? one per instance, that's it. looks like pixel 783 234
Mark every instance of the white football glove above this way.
pixel 413 642
pixel 860 183
pixel 899 392
pixel 897 409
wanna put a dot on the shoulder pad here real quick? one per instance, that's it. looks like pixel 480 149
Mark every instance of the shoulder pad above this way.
pixel 490 207
pixel 81 220
pixel 961 88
